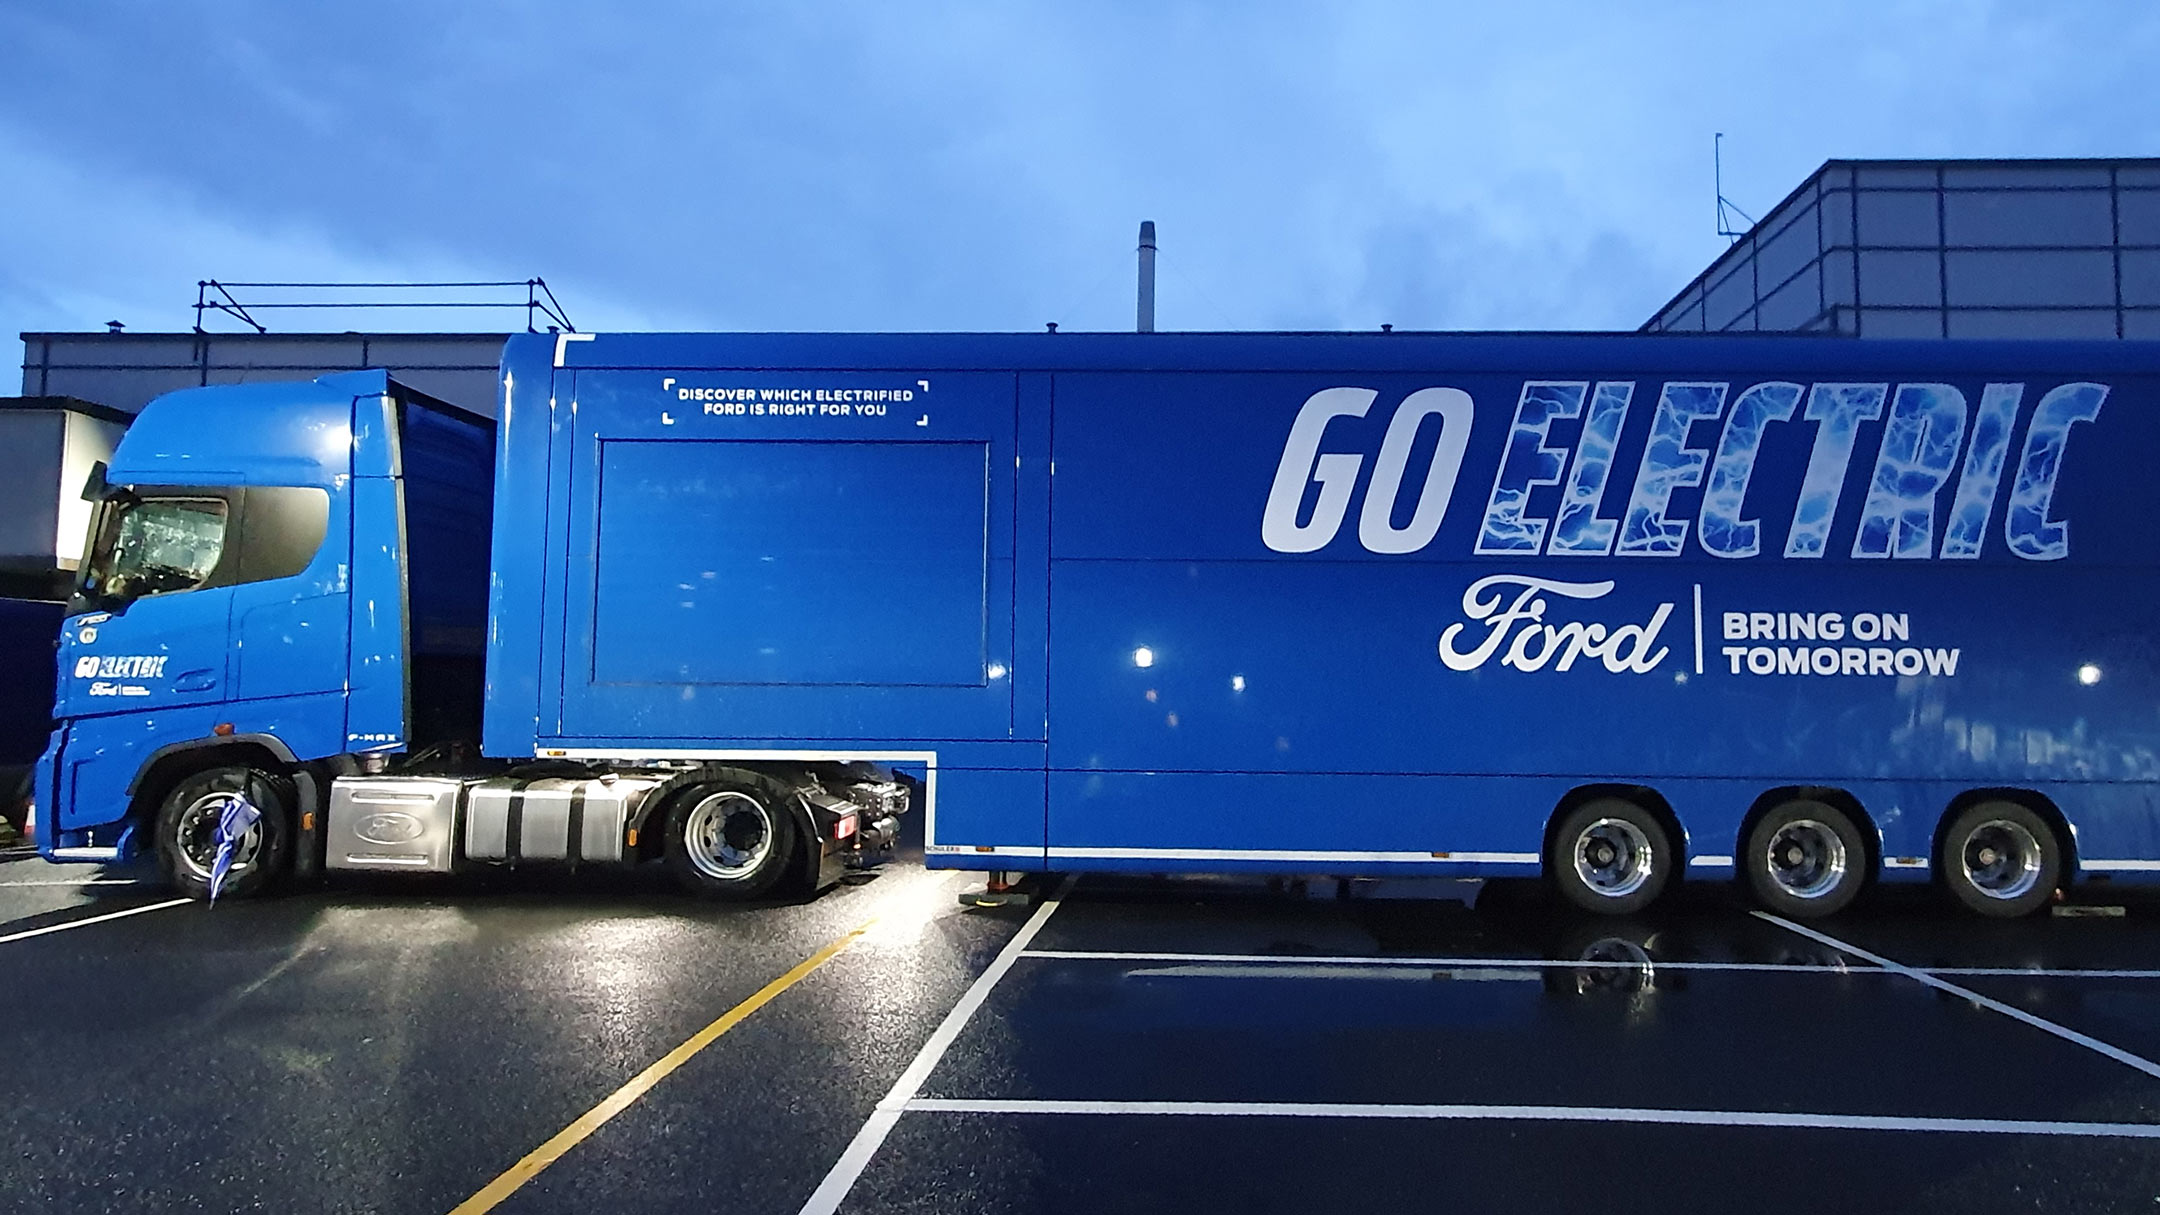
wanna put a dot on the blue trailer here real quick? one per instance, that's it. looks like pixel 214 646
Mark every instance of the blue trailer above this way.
pixel 1627 611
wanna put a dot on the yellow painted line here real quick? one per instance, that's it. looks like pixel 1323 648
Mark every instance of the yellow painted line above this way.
pixel 621 1099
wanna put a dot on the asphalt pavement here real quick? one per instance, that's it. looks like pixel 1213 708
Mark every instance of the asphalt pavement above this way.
pixel 536 1042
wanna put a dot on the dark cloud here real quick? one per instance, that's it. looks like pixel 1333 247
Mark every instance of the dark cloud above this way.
pixel 874 166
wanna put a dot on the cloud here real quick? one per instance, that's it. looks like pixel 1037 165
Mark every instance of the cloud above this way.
pixel 985 166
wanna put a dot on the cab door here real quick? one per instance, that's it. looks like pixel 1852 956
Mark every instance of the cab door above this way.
pixel 289 613
pixel 148 657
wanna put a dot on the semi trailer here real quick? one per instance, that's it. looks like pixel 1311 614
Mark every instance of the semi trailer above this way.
pixel 1624 611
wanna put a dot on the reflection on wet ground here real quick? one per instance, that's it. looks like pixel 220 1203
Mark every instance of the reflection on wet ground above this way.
pixel 1233 1021
pixel 1214 1044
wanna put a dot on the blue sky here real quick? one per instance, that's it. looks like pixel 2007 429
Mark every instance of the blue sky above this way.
pixel 985 166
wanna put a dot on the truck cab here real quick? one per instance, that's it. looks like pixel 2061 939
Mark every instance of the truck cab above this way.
pixel 254 614
pixel 284 607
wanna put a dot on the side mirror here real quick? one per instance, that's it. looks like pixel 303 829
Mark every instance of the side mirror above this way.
pixel 96 487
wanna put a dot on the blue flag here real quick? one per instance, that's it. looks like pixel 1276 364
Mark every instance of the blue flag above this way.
pixel 234 821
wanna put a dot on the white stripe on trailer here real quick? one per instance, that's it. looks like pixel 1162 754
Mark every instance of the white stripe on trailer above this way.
pixel 834 1189
pixel 1033 852
pixel 2064 1032
pixel 79 882
pixel 1711 862
pixel 562 340
pixel 1263 854
pixel 1541 1113
pixel 1698 629
pixel 2137 866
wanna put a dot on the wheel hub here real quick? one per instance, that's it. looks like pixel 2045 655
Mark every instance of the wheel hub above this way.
pixel 728 835
pixel 2002 859
pixel 196 837
pixel 1806 859
pixel 1613 857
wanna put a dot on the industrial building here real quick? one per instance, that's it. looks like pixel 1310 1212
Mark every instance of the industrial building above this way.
pixel 1943 249
pixel 1863 248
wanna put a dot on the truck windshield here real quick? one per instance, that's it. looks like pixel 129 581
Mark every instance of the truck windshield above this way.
pixel 152 546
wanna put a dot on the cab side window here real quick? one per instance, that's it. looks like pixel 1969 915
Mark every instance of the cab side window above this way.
pixel 163 540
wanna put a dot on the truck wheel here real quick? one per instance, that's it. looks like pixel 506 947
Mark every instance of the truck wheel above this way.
pixel 1611 856
pixel 15 809
pixel 728 842
pixel 187 832
pixel 1805 859
pixel 2000 860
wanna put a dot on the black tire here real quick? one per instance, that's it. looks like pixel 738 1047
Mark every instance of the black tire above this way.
pixel 1611 856
pixel 729 840
pixel 15 801
pixel 1805 859
pixel 2000 860
pixel 187 826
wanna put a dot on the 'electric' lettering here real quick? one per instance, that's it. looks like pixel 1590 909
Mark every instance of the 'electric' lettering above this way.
pixel 1551 484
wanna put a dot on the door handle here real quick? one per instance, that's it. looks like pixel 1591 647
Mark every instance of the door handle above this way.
pixel 195 681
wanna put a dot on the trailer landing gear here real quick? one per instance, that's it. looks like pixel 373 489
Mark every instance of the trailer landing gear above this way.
pixel 1002 888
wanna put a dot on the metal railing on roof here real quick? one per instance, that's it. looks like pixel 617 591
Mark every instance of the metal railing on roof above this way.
pixel 540 304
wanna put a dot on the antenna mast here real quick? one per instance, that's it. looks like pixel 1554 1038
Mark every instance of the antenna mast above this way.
pixel 1725 205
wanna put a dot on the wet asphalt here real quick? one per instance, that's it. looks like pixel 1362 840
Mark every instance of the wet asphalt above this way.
pixel 376 1045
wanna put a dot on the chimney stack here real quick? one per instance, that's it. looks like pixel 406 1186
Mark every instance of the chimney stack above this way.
pixel 1147 276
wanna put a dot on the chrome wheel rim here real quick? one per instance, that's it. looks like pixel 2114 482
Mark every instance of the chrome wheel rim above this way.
pixel 1613 858
pixel 1805 859
pixel 2001 859
pixel 728 835
pixel 196 837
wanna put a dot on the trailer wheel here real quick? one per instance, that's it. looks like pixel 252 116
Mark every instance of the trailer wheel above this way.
pixel 187 832
pixel 728 842
pixel 1611 856
pixel 2000 860
pixel 1805 859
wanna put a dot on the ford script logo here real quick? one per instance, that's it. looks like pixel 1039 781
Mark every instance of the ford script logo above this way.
pixel 389 827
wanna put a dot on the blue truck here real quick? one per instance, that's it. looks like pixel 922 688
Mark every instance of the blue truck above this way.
pixel 1624 611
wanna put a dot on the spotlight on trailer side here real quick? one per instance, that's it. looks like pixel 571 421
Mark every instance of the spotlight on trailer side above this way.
pixel 1143 657
pixel 996 671
pixel 2088 674
pixel 1237 683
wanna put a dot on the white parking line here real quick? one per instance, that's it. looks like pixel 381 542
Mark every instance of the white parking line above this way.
pixel 2013 972
pixel 96 919
pixel 831 1191
pixel 1473 963
pixel 1543 1113
pixel 1393 974
pixel 2016 1014
pixel 1269 959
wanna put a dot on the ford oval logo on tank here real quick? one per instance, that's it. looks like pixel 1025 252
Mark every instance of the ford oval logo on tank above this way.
pixel 389 827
